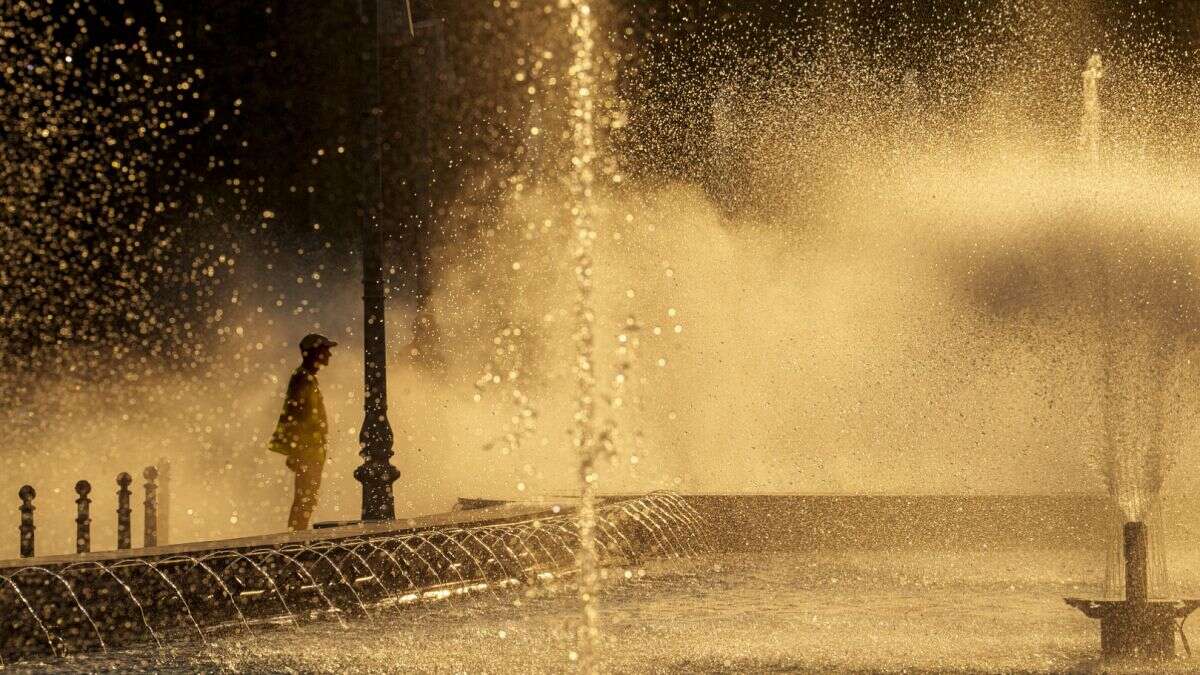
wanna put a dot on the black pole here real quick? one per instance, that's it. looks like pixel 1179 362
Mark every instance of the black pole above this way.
pixel 83 517
pixel 150 522
pixel 124 540
pixel 375 439
pixel 27 493
pixel 164 501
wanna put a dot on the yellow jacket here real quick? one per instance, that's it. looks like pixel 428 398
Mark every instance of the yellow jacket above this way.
pixel 302 428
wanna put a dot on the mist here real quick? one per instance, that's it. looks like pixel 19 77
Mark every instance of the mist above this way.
pixel 900 301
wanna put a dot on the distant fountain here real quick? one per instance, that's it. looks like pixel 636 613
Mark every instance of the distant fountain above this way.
pixel 1134 358
pixel 1133 458
pixel 1137 626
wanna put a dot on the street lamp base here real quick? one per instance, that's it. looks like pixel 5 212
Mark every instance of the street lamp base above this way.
pixel 377 476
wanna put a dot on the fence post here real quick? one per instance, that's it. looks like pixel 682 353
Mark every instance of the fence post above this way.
pixel 123 535
pixel 164 501
pixel 83 519
pixel 27 493
pixel 150 531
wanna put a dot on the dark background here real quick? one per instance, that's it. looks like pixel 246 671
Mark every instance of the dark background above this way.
pixel 298 69
pixel 298 72
pixel 285 86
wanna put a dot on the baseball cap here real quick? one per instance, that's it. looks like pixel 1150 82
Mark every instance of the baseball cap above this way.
pixel 315 341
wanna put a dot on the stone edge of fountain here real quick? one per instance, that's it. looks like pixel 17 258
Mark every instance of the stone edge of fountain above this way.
pixel 494 512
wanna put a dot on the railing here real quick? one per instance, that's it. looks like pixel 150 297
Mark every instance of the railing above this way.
pixel 155 521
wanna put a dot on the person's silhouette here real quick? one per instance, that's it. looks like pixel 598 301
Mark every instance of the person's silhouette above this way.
pixel 302 429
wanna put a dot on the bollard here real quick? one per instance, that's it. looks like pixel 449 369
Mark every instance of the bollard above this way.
pixel 27 493
pixel 164 501
pixel 150 531
pixel 83 518
pixel 123 511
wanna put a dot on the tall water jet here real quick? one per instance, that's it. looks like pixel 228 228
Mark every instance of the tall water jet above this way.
pixel 582 217
pixel 1089 141
pixel 1090 135
pixel 1132 458
pixel 1135 358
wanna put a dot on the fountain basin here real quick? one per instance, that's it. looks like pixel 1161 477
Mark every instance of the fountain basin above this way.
pixel 59 605
pixel 1137 629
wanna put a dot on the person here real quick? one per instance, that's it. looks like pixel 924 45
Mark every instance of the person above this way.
pixel 303 429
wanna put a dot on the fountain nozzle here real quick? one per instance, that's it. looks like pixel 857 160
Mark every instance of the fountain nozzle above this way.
pixel 1137 587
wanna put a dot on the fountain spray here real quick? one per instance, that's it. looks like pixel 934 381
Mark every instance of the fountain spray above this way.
pixel 1089 143
pixel 582 212
pixel 1135 626
pixel 1133 464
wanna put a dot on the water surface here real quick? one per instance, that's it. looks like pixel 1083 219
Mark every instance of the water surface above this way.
pixel 981 610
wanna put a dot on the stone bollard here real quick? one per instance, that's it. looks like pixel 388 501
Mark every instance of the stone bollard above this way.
pixel 27 493
pixel 150 532
pixel 164 501
pixel 83 518
pixel 123 535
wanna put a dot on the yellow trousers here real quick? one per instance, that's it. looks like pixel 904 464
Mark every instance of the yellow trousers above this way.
pixel 308 486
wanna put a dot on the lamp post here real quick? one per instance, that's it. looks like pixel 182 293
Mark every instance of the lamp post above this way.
pixel 376 473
